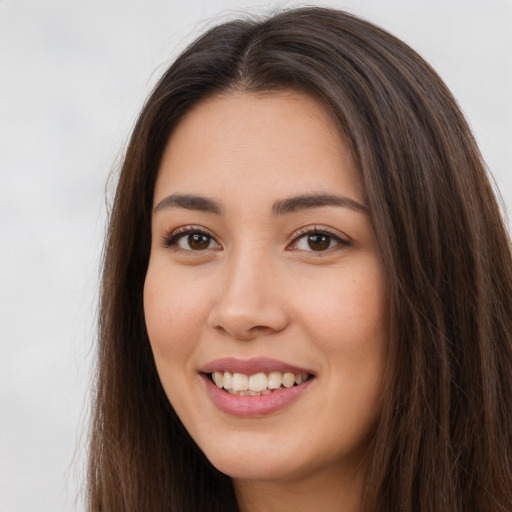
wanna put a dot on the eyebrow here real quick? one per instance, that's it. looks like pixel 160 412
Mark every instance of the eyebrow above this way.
pixel 304 202
pixel 189 202
pixel 281 207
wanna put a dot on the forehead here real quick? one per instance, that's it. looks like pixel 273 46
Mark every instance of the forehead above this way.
pixel 281 143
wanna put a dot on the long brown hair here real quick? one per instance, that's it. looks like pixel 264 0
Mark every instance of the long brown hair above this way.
pixel 444 439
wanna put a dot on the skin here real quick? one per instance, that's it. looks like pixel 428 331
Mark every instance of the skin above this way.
pixel 258 289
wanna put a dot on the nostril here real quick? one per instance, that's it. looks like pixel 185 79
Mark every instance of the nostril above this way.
pixel 262 329
pixel 241 333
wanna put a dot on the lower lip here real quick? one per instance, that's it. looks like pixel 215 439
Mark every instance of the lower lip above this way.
pixel 246 406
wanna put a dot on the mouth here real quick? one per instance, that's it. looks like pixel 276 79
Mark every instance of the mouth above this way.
pixel 255 387
pixel 257 384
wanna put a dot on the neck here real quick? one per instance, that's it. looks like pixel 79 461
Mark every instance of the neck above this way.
pixel 325 491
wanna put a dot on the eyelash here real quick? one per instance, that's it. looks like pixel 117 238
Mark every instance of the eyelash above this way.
pixel 171 240
pixel 319 231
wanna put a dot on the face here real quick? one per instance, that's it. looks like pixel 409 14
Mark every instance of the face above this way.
pixel 264 297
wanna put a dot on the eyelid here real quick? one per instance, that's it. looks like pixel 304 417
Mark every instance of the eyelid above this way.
pixel 335 234
pixel 170 239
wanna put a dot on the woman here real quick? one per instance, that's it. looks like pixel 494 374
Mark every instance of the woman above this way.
pixel 307 286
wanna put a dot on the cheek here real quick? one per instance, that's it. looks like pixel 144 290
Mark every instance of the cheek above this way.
pixel 173 307
pixel 345 313
pixel 346 317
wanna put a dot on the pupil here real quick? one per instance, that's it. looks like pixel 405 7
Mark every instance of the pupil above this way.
pixel 198 241
pixel 318 242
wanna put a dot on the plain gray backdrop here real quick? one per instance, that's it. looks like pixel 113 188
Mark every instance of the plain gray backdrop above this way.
pixel 73 75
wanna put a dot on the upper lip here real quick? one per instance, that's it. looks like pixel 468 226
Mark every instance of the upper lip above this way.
pixel 252 366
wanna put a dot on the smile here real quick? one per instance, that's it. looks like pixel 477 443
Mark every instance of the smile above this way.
pixel 257 384
pixel 255 387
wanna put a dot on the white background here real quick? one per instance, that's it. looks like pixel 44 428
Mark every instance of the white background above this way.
pixel 73 75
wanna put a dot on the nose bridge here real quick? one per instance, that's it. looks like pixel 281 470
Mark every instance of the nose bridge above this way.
pixel 248 302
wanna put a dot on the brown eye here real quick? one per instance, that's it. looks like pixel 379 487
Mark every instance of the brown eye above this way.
pixel 319 241
pixel 198 241
pixel 192 240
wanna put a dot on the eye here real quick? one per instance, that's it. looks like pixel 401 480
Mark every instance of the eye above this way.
pixel 191 239
pixel 316 240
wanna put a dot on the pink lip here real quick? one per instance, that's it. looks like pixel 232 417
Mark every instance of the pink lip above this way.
pixel 252 406
pixel 252 366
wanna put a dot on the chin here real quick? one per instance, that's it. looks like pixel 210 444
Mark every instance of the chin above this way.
pixel 262 469
pixel 244 459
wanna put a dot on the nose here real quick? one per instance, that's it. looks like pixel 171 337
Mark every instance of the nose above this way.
pixel 250 302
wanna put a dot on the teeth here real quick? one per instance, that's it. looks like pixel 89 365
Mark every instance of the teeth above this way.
pixel 228 380
pixel 218 378
pixel 257 384
pixel 288 380
pixel 274 380
pixel 240 382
